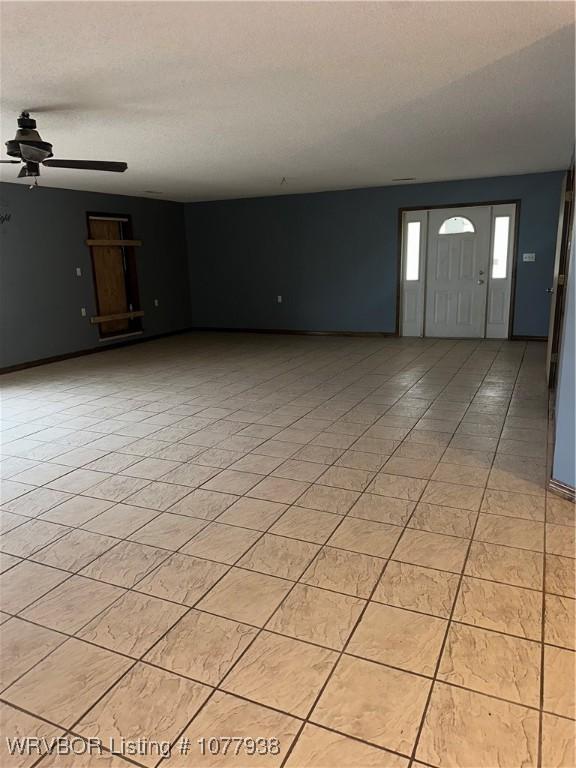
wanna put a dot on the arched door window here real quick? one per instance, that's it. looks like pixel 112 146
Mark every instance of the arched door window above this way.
pixel 456 225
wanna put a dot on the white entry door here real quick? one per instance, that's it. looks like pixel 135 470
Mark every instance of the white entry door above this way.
pixel 457 272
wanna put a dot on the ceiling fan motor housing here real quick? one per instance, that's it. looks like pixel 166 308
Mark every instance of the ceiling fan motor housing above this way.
pixel 27 134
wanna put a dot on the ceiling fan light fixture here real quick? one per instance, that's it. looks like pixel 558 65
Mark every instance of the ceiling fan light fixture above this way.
pixel 29 148
pixel 29 170
pixel 27 135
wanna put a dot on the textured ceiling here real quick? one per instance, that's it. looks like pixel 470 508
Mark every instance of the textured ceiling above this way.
pixel 215 100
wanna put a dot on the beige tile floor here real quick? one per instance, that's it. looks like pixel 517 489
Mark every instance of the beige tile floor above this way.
pixel 340 547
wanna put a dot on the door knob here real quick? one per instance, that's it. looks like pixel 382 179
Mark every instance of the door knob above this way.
pixel 480 282
pixel 549 290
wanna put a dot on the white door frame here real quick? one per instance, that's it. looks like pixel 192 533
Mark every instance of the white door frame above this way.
pixel 412 293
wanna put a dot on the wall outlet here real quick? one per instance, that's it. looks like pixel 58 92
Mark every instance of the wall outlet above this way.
pixel 279 299
pixel 528 257
pixel 78 272
pixel 83 311
pixel 156 303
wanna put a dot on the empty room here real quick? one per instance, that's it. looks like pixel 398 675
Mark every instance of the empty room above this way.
pixel 287 373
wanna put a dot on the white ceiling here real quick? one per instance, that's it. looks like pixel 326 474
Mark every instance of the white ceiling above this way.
pixel 209 100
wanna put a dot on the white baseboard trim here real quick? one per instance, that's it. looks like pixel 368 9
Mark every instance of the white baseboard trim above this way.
pixel 562 489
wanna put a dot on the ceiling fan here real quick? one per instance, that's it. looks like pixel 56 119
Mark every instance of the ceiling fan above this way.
pixel 29 148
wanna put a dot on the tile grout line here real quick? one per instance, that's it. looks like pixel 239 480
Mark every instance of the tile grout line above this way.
pixel 343 650
pixel 543 628
pixel 250 645
pixel 261 630
pixel 263 533
pixel 450 617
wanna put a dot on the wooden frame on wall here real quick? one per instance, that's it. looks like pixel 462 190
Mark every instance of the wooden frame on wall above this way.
pixel 128 244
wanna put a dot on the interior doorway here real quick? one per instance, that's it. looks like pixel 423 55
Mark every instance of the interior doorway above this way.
pixel 457 271
pixel 115 276
pixel 558 287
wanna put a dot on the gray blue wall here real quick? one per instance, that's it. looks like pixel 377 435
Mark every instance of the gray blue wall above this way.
pixel 564 468
pixel 333 256
pixel 41 245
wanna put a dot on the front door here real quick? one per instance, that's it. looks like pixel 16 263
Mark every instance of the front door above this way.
pixel 457 272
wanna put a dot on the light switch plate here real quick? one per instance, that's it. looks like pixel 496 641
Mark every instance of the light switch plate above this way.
pixel 528 257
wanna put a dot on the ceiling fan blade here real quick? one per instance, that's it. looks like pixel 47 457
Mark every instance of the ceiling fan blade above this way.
pixel 56 107
pixel 33 154
pixel 87 165
pixel 10 161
